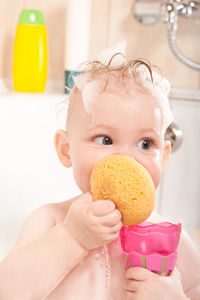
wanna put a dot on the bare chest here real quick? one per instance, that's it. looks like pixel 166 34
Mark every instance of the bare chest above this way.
pixel 98 277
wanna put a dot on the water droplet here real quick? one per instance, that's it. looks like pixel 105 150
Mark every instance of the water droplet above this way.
pixel 101 263
pixel 107 271
pixel 97 256
pixel 102 251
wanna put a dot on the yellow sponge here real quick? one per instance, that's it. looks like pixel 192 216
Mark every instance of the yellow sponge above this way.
pixel 124 181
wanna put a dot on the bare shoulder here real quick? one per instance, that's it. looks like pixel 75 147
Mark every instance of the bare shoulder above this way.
pixel 41 221
pixel 60 209
pixel 188 262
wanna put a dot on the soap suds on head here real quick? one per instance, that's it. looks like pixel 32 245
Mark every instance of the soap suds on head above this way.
pixel 111 72
pixel 90 93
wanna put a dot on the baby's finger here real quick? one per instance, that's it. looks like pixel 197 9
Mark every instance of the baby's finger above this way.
pixel 112 236
pixel 175 274
pixel 102 207
pixel 131 295
pixel 86 197
pixel 139 274
pixel 132 285
pixel 111 219
pixel 114 229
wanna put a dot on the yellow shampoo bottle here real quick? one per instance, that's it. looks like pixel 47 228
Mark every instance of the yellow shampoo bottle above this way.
pixel 30 53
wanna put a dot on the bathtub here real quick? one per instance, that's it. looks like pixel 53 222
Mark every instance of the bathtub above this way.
pixel 31 174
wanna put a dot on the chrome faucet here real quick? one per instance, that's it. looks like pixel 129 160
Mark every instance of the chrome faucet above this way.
pixel 148 12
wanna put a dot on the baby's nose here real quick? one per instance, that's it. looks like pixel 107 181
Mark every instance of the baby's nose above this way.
pixel 125 151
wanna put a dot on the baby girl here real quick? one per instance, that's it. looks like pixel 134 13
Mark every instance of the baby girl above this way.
pixel 71 250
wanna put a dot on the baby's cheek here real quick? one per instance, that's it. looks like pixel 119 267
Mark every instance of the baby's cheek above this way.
pixel 82 170
pixel 154 167
pixel 81 177
pixel 156 174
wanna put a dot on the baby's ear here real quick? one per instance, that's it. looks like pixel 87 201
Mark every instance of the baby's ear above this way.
pixel 62 148
pixel 167 151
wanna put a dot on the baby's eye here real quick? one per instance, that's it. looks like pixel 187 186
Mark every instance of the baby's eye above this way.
pixel 145 144
pixel 103 140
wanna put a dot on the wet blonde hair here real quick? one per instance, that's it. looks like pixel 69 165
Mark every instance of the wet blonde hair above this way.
pixel 96 77
pixel 96 68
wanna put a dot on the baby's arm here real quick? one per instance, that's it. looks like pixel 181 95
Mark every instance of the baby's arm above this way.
pixel 188 263
pixel 43 255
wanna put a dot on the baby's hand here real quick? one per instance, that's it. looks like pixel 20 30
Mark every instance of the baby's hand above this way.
pixel 93 223
pixel 141 284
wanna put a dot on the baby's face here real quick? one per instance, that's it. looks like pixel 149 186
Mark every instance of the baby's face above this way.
pixel 118 125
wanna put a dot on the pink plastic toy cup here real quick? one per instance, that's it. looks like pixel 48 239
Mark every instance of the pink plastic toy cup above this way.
pixel 151 246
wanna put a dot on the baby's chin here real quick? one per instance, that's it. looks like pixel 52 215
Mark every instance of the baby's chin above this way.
pixel 83 186
pixel 156 180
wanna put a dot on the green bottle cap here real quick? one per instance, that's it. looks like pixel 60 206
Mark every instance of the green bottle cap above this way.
pixel 31 17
